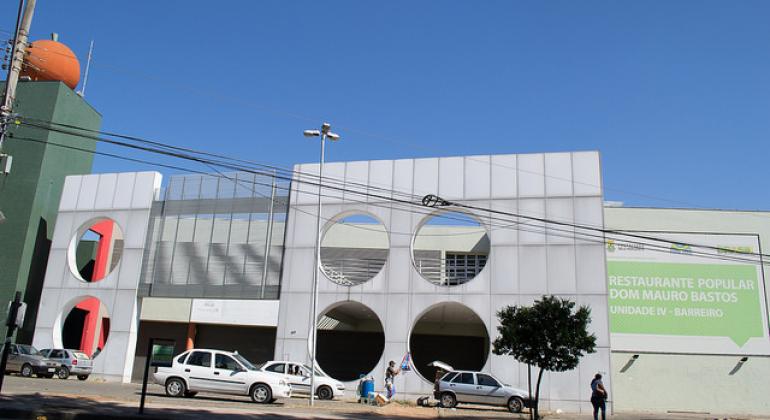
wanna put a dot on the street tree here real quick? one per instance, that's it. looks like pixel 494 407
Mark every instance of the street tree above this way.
pixel 551 335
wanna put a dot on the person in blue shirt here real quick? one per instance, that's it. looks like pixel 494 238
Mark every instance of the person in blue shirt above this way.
pixel 598 396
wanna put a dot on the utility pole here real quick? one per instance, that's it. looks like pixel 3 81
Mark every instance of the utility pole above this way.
pixel 21 36
pixel 13 312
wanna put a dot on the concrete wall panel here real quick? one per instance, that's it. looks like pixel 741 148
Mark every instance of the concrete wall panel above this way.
pixel 118 290
pixel 524 262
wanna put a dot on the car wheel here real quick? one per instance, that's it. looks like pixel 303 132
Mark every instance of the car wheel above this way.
pixel 82 377
pixel 325 393
pixel 515 405
pixel 175 387
pixel 26 370
pixel 63 372
pixel 448 400
pixel 260 393
pixel 190 394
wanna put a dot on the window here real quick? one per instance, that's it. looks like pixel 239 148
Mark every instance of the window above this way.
pixel 181 358
pixel 56 354
pixel 277 368
pixel 200 358
pixel 449 376
pixel 27 350
pixel 486 380
pixel 461 268
pixel 244 362
pixel 464 378
pixel 296 370
pixel 226 362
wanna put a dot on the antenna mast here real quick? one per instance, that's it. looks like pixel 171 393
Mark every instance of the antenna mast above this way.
pixel 82 92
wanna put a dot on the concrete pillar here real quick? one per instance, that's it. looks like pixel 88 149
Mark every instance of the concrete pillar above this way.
pixel 191 332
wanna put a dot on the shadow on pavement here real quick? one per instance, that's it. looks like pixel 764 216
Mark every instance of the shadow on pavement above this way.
pixel 42 407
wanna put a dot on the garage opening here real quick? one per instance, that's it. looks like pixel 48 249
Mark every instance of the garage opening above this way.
pixel 452 333
pixel 350 341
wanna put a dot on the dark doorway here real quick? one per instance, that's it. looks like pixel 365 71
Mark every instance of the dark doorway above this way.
pixel 451 333
pixel 350 341
pixel 72 332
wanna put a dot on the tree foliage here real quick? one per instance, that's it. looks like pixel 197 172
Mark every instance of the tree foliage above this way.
pixel 551 335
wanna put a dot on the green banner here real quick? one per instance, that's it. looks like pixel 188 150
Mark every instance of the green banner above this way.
pixel 720 300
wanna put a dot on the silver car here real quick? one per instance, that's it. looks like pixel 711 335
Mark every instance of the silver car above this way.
pixel 462 386
pixel 26 360
pixel 70 362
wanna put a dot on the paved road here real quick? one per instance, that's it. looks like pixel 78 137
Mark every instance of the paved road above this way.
pixel 53 399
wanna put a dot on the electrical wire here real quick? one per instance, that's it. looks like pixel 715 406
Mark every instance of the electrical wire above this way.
pixel 174 153
pixel 413 145
pixel 542 230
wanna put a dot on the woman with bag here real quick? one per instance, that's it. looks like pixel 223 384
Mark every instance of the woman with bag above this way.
pixel 598 396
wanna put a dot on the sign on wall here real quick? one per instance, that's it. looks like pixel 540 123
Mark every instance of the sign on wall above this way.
pixel 677 298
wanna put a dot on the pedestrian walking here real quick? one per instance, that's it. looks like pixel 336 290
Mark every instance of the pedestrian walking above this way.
pixel 390 376
pixel 598 396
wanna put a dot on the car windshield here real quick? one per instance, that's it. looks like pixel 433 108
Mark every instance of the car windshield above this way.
pixel 27 349
pixel 79 355
pixel 317 372
pixel 244 362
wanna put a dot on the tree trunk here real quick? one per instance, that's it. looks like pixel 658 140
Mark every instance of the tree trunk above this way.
pixel 537 394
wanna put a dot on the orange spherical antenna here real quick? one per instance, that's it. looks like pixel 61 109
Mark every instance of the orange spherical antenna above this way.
pixel 51 60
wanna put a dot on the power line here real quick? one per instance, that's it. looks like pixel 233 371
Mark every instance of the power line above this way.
pixel 377 136
pixel 412 145
pixel 236 167
pixel 546 230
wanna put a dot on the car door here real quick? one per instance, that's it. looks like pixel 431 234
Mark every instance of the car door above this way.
pixel 464 387
pixel 300 378
pixel 229 375
pixel 198 371
pixel 57 356
pixel 490 390
pixel 14 359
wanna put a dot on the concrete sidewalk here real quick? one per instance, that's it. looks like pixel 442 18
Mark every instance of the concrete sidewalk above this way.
pixel 44 399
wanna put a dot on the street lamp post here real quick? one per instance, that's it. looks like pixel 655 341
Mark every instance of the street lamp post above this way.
pixel 324 133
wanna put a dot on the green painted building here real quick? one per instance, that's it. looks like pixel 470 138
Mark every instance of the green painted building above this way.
pixel 29 195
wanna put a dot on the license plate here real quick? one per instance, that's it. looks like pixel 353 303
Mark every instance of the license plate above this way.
pixel 52 369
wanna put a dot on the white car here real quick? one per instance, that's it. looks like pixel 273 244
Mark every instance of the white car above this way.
pixel 223 372
pixel 298 374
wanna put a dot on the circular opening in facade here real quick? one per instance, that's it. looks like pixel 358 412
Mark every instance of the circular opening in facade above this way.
pixel 96 249
pixel 450 248
pixel 350 341
pixel 354 249
pixel 451 333
pixel 86 327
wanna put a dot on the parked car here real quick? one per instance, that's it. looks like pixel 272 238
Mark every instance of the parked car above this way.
pixel 462 386
pixel 223 372
pixel 27 360
pixel 326 388
pixel 70 362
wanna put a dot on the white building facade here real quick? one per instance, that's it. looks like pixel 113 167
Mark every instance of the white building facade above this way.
pixel 523 264
pixel 233 267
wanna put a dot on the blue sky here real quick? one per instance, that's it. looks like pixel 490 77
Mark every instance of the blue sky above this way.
pixel 675 95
